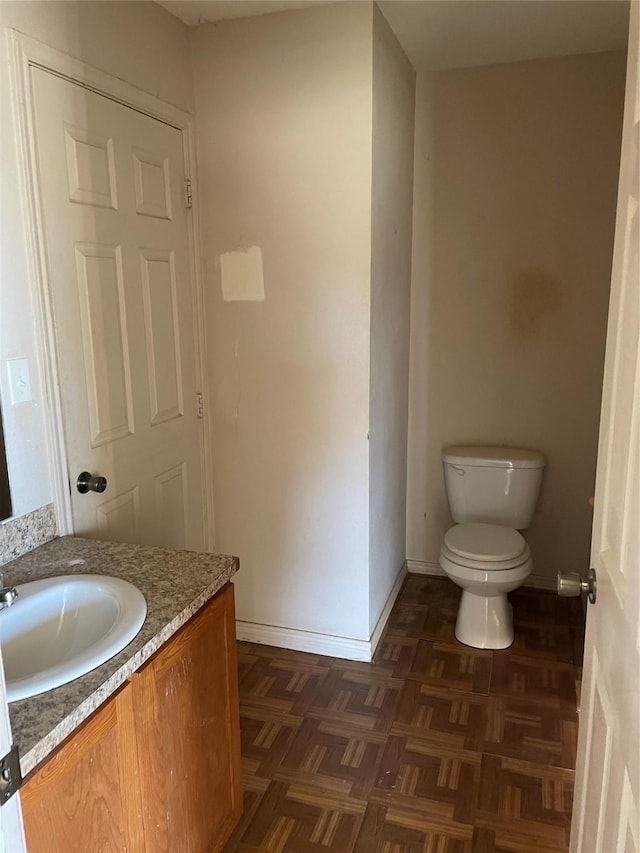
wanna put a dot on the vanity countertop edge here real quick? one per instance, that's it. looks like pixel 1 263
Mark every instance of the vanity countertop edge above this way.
pixel 175 584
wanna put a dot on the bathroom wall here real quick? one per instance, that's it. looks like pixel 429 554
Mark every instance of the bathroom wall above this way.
pixel 138 42
pixel 419 426
pixel 284 105
pixel 516 180
pixel 392 193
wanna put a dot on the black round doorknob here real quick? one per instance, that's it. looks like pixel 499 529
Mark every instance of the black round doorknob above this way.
pixel 86 482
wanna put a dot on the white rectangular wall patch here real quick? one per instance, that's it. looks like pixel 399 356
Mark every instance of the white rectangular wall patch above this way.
pixel 241 276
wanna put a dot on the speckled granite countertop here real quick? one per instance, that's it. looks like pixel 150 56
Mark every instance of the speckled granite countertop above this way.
pixel 174 583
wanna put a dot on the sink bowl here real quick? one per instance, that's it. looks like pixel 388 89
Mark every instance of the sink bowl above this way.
pixel 61 628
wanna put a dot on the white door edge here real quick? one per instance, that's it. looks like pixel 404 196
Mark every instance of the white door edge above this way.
pixel 24 52
pixel 12 838
pixel 607 780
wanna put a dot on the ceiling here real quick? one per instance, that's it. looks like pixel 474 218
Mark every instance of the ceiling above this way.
pixel 438 34
pixel 195 12
pixel 459 33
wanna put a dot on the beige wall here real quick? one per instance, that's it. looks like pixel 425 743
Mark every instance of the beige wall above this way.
pixel 284 117
pixel 419 426
pixel 138 42
pixel 511 292
pixel 392 191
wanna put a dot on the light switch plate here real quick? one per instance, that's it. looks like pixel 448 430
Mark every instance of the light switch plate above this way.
pixel 19 381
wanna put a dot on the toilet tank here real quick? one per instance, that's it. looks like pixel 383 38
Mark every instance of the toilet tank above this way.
pixel 495 485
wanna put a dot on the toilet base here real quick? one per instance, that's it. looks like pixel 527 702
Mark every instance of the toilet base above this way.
pixel 484 622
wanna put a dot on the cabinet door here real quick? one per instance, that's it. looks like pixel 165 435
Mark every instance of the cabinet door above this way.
pixel 86 797
pixel 187 719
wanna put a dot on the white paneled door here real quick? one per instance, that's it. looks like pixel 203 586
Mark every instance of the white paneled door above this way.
pixel 112 185
pixel 12 838
pixel 606 815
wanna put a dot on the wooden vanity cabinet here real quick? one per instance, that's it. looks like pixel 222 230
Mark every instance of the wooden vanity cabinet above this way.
pixel 157 768
pixel 187 718
pixel 87 796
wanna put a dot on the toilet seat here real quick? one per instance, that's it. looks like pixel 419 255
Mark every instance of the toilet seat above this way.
pixel 490 547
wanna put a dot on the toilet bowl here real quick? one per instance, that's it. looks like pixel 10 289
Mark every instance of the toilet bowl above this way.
pixel 492 494
pixel 487 561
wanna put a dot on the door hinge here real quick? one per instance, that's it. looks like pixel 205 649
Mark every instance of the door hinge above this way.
pixel 188 195
pixel 199 405
pixel 10 775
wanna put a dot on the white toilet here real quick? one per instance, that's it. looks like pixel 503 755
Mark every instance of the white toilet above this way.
pixel 492 494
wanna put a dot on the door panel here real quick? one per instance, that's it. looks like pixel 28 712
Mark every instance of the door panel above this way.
pixel 107 366
pixel 605 815
pixel 153 184
pixel 162 335
pixel 112 186
pixel 118 517
pixel 90 168
pixel 11 827
pixel 171 494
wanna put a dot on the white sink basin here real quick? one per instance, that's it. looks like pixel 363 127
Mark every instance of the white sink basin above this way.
pixel 60 628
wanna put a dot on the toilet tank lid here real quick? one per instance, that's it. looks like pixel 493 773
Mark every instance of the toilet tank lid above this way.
pixel 493 457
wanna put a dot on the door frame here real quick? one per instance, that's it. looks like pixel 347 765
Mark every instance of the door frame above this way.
pixel 24 53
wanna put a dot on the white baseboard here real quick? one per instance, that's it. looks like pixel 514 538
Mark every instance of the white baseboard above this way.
pixel 304 641
pixel 386 610
pixel 425 567
pixel 347 647
pixel 321 644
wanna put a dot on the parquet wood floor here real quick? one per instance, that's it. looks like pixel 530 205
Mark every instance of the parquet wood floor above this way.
pixel 433 748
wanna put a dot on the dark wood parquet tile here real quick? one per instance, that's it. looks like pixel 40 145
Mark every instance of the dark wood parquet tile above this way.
pixel 357 696
pixel 510 727
pixel 454 667
pixel 544 682
pixel 440 597
pixel 525 803
pixel 538 607
pixel 552 642
pixel 391 830
pixel 419 776
pixel 364 670
pixel 395 655
pixel 295 819
pixel 291 655
pixel 282 684
pixel 416 589
pixel 266 735
pixel 439 626
pixel 430 592
pixel 332 757
pixel 253 790
pixel 442 611
pixel 433 748
pixel 442 717
pixel 406 620
pixel 532 731
pixel 246 660
pixel 489 841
